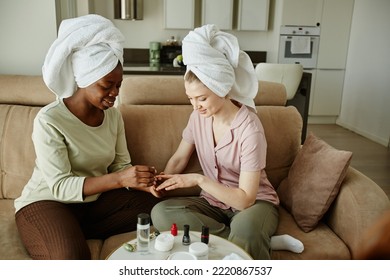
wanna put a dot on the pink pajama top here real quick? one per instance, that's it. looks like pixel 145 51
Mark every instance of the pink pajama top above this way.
pixel 243 148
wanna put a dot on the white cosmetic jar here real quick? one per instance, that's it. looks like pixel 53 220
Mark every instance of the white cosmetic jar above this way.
pixel 164 242
pixel 200 250
pixel 182 256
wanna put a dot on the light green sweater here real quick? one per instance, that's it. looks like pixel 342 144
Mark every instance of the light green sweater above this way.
pixel 68 151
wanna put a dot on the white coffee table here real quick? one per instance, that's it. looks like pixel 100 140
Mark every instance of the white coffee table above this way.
pixel 218 249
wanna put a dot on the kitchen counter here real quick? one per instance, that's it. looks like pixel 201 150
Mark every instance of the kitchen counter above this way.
pixel 136 63
pixel 146 69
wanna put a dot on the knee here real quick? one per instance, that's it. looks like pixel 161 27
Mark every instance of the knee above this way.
pixel 261 217
pixel 246 226
pixel 157 211
pixel 160 218
pixel 245 231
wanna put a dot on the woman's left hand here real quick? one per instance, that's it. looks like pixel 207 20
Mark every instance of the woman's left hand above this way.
pixel 177 181
pixel 159 194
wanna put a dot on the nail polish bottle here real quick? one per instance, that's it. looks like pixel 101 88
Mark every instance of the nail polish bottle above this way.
pixel 205 235
pixel 186 236
pixel 174 229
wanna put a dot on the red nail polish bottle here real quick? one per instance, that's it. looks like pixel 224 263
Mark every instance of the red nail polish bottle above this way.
pixel 174 229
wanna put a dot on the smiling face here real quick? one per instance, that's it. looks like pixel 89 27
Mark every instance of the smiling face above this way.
pixel 102 94
pixel 203 99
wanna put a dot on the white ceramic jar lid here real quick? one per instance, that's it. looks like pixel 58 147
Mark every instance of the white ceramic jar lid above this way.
pixel 182 256
pixel 199 249
pixel 164 242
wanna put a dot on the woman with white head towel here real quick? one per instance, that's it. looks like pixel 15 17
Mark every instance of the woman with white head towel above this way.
pixel 237 201
pixel 83 185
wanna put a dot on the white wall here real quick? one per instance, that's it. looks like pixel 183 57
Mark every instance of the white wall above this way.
pixel 366 96
pixel 27 28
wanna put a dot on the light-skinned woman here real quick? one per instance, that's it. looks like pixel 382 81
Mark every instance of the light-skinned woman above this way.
pixel 237 201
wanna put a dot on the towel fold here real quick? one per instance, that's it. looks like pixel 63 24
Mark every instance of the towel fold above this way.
pixel 216 59
pixel 300 45
pixel 87 48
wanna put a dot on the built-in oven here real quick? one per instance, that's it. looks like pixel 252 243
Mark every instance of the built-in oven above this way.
pixel 299 45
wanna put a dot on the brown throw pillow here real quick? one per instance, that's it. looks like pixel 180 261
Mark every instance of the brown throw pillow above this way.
pixel 313 181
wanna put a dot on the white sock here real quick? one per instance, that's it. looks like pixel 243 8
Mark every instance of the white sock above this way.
pixel 286 242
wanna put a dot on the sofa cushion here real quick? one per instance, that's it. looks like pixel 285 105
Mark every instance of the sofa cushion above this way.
pixel 153 133
pixel 153 90
pixel 282 128
pixel 169 90
pixel 95 246
pixel 359 203
pixel 313 181
pixel 24 90
pixel 11 246
pixel 17 155
pixel 319 244
pixel 114 242
pixel 270 93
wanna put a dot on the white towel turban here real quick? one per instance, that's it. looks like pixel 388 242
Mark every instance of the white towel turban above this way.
pixel 87 48
pixel 216 59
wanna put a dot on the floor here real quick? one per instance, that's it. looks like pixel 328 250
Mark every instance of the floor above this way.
pixel 370 158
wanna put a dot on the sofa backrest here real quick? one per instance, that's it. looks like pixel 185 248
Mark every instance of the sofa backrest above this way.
pixel 156 110
pixel 24 90
pixel 169 90
pixel 283 128
pixel 17 154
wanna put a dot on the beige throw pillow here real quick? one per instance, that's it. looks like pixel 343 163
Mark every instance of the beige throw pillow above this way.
pixel 313 181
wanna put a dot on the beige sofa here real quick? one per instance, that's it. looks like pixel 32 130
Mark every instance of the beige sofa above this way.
pixel 155 110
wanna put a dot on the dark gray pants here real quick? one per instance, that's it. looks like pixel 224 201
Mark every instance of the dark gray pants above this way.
pixel 251 229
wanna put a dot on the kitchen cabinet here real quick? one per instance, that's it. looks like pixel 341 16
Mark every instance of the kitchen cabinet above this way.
pixel 335 25
pixel 334 18
pixel 302 12
pixel 327 93
pixel 211 13
pixel 253 15
pixel 179 14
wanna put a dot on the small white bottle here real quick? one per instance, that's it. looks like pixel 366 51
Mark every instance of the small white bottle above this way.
pixel 143 233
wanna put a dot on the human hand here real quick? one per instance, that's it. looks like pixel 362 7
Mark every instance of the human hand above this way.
pixel 138 176
pixel 159 179
pixel 176 181
pixel 159 194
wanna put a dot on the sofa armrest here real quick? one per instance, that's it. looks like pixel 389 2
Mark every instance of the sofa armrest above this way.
pixel 359 203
